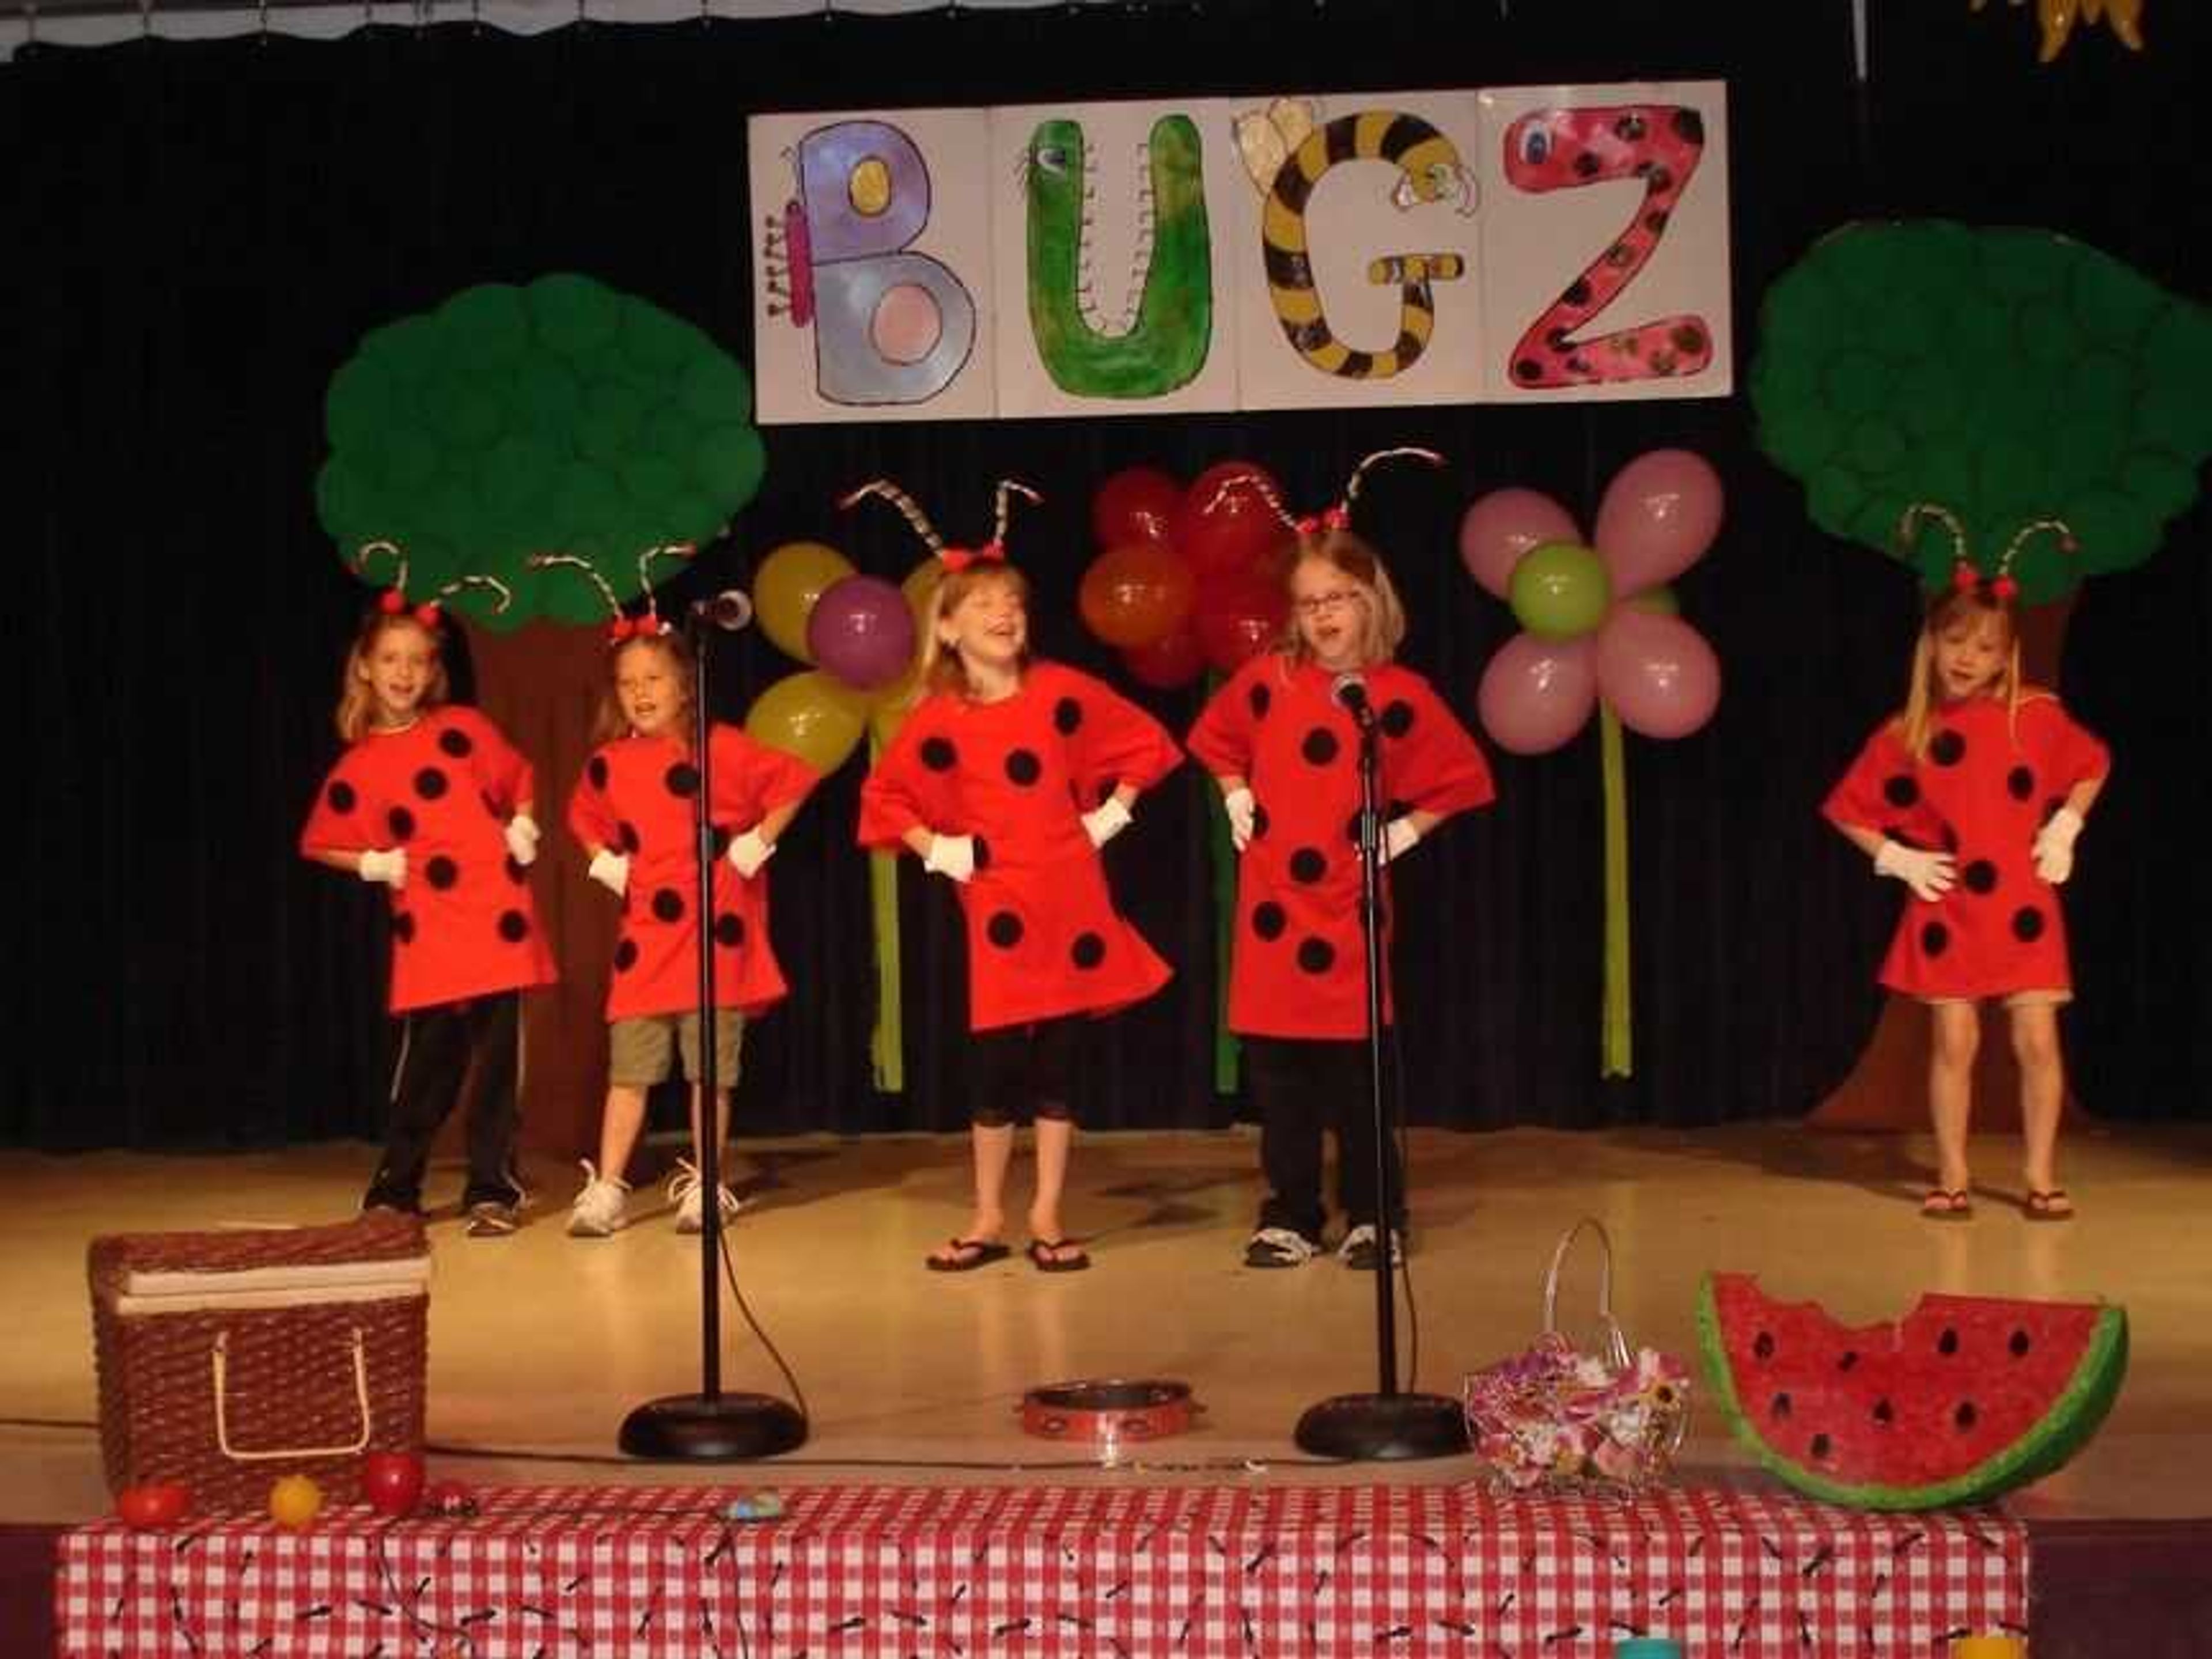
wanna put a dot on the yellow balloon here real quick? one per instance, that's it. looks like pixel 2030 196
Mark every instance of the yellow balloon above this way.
pixel 790 580
pixel 811 715
pixel 893 704
pixel 295 1501
pixel 919 587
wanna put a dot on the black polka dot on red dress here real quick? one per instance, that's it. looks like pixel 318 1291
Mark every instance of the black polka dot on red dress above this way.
pixel 1067 717
pixel 1900 790
pixel 626 837
pixel 1268 920
pixel 939 755
pixel 1024 767
pixel 514 927
pixel 455 742
pixel 982 854
pixel 729 930
pixel 1947 748
pixel 441 873
pixel 1258 697
pixel 401 823
pixel 681 779
pixel 1980 875
pixel 2027 924
pixel 1088 950
pixel 668 905
pixel 1308 866
pixel 1397 718
pixel 403 927
pixel 1934 937
pixel 342 796
pixel 2019 783
pixel 625 956
pixel 431 783
pixel 1316 956
pixel 1003 929
pixel 596 770
pixel 1319 747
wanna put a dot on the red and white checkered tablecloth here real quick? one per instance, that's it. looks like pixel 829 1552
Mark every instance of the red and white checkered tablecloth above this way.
pixel 1052 1573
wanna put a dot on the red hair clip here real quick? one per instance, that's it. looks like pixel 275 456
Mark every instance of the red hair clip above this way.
pixel 959 558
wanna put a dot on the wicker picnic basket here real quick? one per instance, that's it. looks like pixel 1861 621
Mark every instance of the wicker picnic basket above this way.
pixel 226 1359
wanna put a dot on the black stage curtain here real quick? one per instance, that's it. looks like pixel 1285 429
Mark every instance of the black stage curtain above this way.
pixel 199 233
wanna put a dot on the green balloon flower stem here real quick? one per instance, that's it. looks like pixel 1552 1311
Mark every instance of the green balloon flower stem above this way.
pixel 1614 1056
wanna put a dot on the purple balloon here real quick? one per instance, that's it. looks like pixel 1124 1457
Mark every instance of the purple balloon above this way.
pixel 1657 673
pixel 1535 694
pixel 862 630
pixel 1503 525
pixel 1659 515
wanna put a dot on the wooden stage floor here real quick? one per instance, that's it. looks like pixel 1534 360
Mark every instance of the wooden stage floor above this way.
pixel 540 1343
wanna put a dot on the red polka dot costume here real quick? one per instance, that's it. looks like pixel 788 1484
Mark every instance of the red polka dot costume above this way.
pixel 1043 937
pixel 441 790
pixel 1986 784
pixel 1297 964
pixel 635 797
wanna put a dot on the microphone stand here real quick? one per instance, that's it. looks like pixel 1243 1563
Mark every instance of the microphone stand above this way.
pixel 1387 1425
pixel 709 1426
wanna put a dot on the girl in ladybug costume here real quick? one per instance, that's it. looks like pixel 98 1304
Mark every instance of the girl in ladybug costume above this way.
pixel 1005 778
pixel 632 811
pixel 1972 798
pixel 1282 739
pixel 433 803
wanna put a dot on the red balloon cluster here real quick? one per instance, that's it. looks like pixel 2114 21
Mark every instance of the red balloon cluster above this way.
pixel 1185 580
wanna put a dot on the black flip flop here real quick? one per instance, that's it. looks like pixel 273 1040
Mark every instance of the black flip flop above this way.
pixel 986 1251
pixel 1041 1253
pixel 1946 1204
pixel 2048 1204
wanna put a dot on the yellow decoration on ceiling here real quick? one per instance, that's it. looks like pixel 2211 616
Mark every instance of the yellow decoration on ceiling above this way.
pixel 2056 18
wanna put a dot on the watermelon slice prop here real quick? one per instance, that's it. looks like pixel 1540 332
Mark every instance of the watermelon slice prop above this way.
pixel 1964 1398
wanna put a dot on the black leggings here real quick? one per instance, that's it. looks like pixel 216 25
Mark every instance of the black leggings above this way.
pixel 1015 1072
pixel 453 1049
pixel 1305 1088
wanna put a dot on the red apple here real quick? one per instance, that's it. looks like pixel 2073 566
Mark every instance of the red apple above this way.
pixel 153 1504
pixel 392 1481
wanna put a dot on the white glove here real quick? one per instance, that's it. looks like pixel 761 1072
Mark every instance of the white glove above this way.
pixel 1399 836
pixel 522 838
pixel 749 851
pixel 388 865
pixel 1930 875
pixel 951 855
pixel 2054 845
pixel 1237 803
pixel 611 870
pixel 1105 821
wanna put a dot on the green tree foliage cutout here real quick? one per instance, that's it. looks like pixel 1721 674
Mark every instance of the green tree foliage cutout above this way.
pixel 2006 374
pixel 561 417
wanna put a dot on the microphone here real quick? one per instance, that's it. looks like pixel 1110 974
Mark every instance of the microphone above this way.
pixel 731 610
pixel 1350 690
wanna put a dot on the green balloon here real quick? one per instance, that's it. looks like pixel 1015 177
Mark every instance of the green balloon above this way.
pixel 1559 590
pixel 729 460
pixel 573 315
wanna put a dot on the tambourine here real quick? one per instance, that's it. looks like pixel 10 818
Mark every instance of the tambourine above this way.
pixel 1109 1413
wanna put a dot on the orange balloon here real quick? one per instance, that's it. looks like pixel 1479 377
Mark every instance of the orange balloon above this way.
pixel 1136 594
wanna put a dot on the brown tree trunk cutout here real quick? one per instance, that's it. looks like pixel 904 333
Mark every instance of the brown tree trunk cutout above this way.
pixel 1888 1089
pixel 541 685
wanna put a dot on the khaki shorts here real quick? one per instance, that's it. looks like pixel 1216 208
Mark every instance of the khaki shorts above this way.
pixel 2047 999
pixel 638 1049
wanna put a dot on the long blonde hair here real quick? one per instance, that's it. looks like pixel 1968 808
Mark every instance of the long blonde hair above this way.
pixel 609 723
pixel 941 667
pixel 1382 618
pixel 1957 607
pixel 357 710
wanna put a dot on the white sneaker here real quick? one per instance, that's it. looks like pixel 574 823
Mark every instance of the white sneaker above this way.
pixel 599 1209
pixel 1360 1252
pixel 684 1193
pixel 1279 1247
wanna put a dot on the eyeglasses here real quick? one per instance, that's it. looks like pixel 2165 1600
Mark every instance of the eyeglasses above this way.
pixel 1320 604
